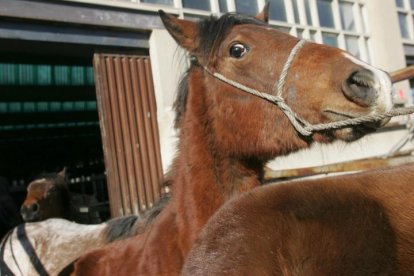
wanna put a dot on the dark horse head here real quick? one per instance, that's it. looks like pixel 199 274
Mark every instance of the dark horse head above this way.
pixel 47 197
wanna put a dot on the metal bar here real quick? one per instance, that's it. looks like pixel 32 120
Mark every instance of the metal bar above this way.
pixel 47 117
pixel 355 165
pixel 402 74
pixel 14 93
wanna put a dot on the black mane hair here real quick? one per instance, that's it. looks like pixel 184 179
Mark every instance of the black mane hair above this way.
pixel 127 226
pixel 212 31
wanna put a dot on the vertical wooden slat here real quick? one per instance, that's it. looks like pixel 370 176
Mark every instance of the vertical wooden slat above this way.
pixel 131 141
pixel 114 96
pixel 107 133
pixel 148 129
pixel 145 147
pixel 142 165
pixel 127 111
pixel 154 122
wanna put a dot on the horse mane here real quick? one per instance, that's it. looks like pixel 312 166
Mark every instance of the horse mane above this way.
pixel 212 31
pixel 120 228
pixel 124 227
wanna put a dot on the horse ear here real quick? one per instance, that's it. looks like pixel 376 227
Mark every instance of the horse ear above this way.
pixel 183 31
pixel 264 14
pixel 62 173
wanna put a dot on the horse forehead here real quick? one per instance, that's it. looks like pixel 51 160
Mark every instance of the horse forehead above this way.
pixel 40 184
pixel 258 32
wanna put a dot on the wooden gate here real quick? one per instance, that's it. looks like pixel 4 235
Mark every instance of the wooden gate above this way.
pixel 128 121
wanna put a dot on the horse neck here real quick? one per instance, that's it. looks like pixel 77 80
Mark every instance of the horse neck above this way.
pixel 203 177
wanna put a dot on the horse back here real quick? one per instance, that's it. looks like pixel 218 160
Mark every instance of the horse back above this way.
pixel 347 225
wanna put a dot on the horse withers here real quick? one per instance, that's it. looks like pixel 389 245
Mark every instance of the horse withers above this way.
pixel 227 135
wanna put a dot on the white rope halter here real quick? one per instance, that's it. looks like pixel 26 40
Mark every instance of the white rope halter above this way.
pixel 301 125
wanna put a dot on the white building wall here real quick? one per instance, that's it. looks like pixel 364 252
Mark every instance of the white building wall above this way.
pixel 168 64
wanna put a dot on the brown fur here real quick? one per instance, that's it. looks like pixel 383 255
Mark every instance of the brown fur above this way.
pixel 226 136
pixel 359 224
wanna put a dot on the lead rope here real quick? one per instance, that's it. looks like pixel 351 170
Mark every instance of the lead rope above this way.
pixel 301 125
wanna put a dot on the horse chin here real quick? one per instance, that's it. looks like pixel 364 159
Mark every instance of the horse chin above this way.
pixel 354 133
pixel 31 218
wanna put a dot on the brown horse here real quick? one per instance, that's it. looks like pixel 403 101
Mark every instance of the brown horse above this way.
pixel 361 224
pixel 48 196
pixel 226 135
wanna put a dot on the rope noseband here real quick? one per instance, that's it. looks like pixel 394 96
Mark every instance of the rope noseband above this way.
pixel 301 125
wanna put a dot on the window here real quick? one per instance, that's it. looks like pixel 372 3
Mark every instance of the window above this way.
pixel 309 20
pixel 347 16
pixel 197 4
pixel 402 18
pixel 399 3
pixel 352 45
pixel 296 10
pixel 223 6
pixel 330 39
pixel 406 19
pixel 339 23
pixel 325 13
pixel 246 6
pixel 277 10
pixel 162 2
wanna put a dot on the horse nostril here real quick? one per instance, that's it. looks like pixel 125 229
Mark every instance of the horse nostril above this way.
pixel 34 207
pixel 360 87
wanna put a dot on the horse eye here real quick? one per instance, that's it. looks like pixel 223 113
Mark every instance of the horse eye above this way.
pixel 238 50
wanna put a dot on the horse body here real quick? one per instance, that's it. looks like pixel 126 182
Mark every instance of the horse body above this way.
pixel 226 136
pixel 357 224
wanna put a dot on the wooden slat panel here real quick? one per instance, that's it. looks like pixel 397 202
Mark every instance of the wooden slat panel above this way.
pixel 127 111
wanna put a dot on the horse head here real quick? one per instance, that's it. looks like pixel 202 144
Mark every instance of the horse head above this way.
pixel 47 197
pixel 323 84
